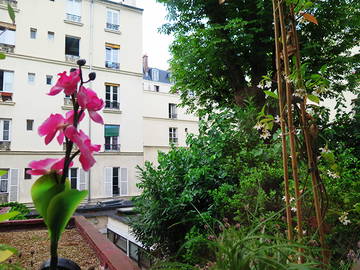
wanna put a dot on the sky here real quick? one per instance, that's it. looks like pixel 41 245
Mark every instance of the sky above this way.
pixel 155 45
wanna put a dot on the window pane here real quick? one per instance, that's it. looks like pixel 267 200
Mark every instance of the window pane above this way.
pixel 121 242
pixel 111 235
pixel 133 251
pixel 29 124
pixel 8 81
pixel 72 46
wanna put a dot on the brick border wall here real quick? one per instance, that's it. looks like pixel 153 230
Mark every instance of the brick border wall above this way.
pixel 110 256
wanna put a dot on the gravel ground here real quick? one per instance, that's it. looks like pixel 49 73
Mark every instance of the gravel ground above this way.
pixel 34 245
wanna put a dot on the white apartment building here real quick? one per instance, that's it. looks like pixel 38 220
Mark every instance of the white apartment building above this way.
pixel 46 39
pixel 164 122
pixel 140 115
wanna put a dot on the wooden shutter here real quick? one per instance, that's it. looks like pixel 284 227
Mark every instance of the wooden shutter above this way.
pixel 82 179
pixel 124 181
pixel 108 183
pixel 14 185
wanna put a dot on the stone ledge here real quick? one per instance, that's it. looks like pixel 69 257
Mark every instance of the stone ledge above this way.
pixel 112 31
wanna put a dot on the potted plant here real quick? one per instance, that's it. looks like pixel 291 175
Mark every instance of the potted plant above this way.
pixel 51 193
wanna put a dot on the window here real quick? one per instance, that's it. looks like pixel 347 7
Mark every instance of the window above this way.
pixel 6 81
pixel 156 88
pixel 72 46
pixel 173 135
pixel 31 78
pixel 112 56
pixel 111 235
pixel 29 124
pixel 49 79
pixel 155 74
pixel 7 36
pixel 172 111
pixel 116 181
pixel 133 251
pixel 73 175
pixel 112 96
pixel 4 179
pixel 5 125
pixel 26 175
pixel 112 138
pixel 51 35
pixel 112 19
pixel 121 242
pixel 73 11
pixel 33 32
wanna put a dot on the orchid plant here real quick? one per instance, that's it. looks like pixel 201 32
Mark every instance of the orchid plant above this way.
pixel 51 193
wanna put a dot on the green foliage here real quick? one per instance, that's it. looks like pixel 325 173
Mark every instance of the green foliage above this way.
pixel 11 12
pixel 55 202
pixel 225 170
pixel 20 208
pixel 221 52
pixel 7 216
pixel 2 56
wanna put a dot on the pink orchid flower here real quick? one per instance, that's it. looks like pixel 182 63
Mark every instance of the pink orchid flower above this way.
pixel 88 99
pixel 83 142
pixel 46 166
pixel 66 83
pixel 56 123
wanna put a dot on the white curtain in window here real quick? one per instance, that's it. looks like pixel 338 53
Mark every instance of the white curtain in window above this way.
pixel 7 37
pixel 8 81
pixel 74 7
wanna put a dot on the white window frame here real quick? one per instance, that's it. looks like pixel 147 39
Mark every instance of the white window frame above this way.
pixel 123 182
pixel 112 54
pixel 31 78
pixel 2 130
pixel 112 99
pixel 172 111
pixel 5 178
pixel 155 74
pixel 8 81
pixel 73 10
pixel 173 138
pixel 112 19
pixel 7 36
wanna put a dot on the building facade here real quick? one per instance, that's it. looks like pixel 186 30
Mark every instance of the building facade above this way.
pixel 138 121
pixel 37 49
pixel 165 123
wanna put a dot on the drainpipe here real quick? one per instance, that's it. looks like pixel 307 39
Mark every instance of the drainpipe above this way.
pixel 91 53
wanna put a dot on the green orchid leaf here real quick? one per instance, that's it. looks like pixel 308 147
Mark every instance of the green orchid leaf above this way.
pixel 314 98
pixel 11 12
pixel 271 94
pixel 2 56
pixel 7 216
pixel 44 190
pixel 60 210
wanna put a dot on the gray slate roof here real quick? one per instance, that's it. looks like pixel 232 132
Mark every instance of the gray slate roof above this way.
pixel 164 76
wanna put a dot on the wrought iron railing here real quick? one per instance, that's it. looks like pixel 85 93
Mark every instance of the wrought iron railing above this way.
pixel 112 105
pixel 112 65
pixel 112 26
pixel 7 48
pixel 5 146
pixel 5 96
pixel 67 101
pixel 173 115
pixel 112 147
pixel 71 58
pixel 73 18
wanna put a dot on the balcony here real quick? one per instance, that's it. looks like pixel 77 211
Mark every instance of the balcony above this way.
pixel 173 140
pixel 5 146
pixel 112 65
pixel 73 18
pixel 71 58
pixel 112 147
pixel 13 3
pixel 7 48
pixel 5 96
pixel 67 101
pixel 112 105
pixel 173 116
pixel 113 27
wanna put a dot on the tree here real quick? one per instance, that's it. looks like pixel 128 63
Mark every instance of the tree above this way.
pixel 221 52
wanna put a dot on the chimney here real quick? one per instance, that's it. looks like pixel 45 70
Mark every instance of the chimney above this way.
pixel 145 64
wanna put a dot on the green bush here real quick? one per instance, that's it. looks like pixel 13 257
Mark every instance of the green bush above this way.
pixel 15 206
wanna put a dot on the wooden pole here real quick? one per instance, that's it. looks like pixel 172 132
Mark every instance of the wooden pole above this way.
pixel 282 122
pixel 291 125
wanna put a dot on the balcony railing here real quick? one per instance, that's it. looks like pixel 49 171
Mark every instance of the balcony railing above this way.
pixel 74 149
pixel 5 96
pixel 112 147
pixel 5 146
pixel 111 26
pixel 173 116
pixel 112 65
pixel 73 18
pixel 67 101
pixel 173 140
pixel 112 105
pixel 13 3
pixel 71 58
pixel 7 48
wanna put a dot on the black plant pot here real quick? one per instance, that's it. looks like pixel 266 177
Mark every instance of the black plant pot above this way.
pixel 63 264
